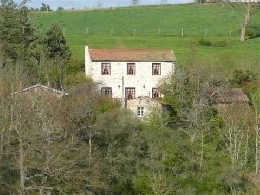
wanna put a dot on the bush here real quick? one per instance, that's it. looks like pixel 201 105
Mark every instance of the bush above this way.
pixel 208 43
pixel 250 32
pixel 205 42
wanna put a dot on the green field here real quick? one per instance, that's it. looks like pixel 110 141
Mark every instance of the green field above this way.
pixel 161 27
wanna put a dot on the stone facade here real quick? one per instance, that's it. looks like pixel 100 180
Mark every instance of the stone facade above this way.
pixel 120 72
pixel 143 106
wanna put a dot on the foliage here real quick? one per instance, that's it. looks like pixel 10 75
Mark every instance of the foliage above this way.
pixel 85 143
pixel 60 8
pixel 7 4
pixel 16 31
pixel 135 2
pixel 245 79
pixel 241 77
pixel 45 7
pixel 208 43
pixel 56 43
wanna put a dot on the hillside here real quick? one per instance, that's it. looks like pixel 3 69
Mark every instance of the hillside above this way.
pixel 159 27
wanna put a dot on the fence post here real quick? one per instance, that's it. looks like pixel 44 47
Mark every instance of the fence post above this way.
pixel 230 32
pixel 182 32
pixel 206 31
pixel 63 31
pixel 159 32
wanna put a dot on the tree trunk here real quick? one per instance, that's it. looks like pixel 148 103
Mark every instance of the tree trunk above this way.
pixel 202 148
pixel 256 150
pixel 21 165
pixel 243 28
pixel 90 146
pixel 243 34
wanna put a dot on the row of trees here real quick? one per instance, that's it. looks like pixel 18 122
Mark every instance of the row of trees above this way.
pixel 44 56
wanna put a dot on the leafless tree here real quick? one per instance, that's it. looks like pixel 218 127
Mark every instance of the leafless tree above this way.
pixel 236 131
pixel 256 105
pixel 246 9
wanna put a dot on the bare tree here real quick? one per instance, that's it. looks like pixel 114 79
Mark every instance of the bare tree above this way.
pixel 236 132
pixel 246 9
pixel 256 105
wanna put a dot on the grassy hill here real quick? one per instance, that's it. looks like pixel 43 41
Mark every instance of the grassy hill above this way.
pixel 206 30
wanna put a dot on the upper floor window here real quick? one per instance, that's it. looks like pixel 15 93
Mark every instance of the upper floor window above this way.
pixel 155 93
pixel 140 111
pixel 130 68
pixel 156 68
pixel 129 92
pixel 106 91
pixel 106 68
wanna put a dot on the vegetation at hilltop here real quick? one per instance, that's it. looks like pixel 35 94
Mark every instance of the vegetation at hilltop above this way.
pixel 85 143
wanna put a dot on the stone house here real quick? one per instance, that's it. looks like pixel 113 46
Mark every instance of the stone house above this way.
pixel 128 74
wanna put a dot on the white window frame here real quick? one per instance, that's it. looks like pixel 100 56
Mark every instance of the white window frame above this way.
pixel 140 111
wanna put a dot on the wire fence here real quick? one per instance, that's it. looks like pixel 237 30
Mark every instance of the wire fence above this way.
pixel 157 32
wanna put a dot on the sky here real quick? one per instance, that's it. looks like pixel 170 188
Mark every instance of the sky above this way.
pixel 90 4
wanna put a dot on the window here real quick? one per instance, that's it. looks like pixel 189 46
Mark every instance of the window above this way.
pixel 130 68
pixel 129 92
pixel 106 91
pixel 106 68
pixel 155 93
pixel 156 68
pixel 140 111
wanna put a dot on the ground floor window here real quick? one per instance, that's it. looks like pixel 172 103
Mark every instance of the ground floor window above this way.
pixel 155 93
pixel 106 91
pixel 140 111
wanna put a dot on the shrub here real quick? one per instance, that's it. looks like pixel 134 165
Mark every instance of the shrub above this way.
pixel 208 43
pixel 205 42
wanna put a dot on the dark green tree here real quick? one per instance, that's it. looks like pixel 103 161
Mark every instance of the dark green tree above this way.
pixel 16 32
pixel 7 4
pixel 56 43
pixel 45 7
pixel 58 51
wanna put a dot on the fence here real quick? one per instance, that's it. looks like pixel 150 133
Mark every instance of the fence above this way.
pixel 157 32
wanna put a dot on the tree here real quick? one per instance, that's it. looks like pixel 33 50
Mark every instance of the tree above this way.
pixel 237 118
pixel 45 7
pixel 16 33
pixel 246 9
pixel 200 1
pixel 256 105
pixel 60 8
pixel 7 4
pixel 135 2
pixel 56 43
pixel 58 51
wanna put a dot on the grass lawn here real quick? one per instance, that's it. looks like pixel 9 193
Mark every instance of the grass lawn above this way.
pixel 160 27
pixel 186 48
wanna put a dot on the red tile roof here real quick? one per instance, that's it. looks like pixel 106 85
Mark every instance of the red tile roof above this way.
pixel 132 55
